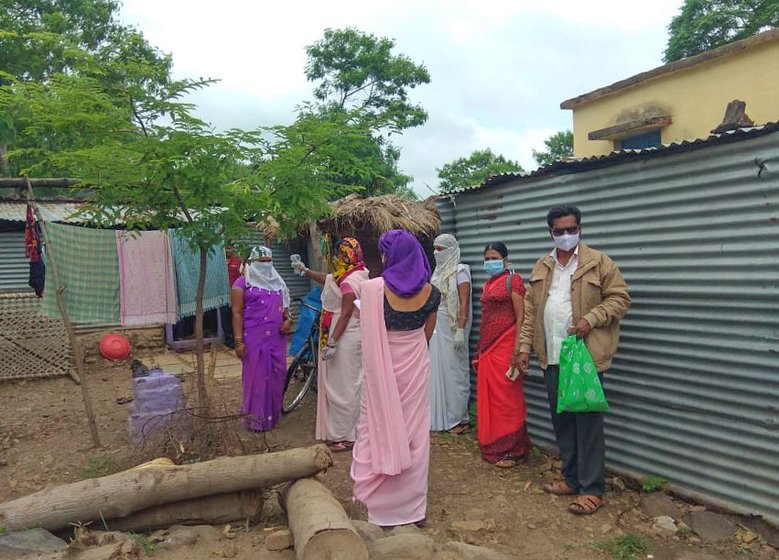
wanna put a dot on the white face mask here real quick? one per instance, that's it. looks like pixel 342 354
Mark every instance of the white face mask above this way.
pixel 566 242
pixel 264 267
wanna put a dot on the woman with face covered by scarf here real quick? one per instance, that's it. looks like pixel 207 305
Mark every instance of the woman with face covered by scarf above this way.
pixel 391 457
pixel 450 384
pixel 261 321
pixel 340 367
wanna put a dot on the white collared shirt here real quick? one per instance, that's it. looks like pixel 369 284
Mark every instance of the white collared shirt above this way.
pixel 558 312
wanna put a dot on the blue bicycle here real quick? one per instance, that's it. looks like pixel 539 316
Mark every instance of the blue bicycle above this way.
pixel 302 372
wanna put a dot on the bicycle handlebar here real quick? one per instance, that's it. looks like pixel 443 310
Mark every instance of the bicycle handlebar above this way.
pixel 311 307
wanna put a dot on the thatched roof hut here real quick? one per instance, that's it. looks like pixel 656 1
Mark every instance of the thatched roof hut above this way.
pixel 367 218
pixel 382 213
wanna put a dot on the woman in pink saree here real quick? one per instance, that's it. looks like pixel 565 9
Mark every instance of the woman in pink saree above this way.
pixel 392 453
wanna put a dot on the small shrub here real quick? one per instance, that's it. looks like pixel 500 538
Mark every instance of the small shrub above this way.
pixel 99 465
pixel 472 415
pixel 652 483
pixel 144 543
pixel 2 528
pixel 625 547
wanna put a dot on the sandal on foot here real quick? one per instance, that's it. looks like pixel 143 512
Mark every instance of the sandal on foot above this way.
pixel 560 488
pixel 460 428
pixel 585 505
pixel 508 461
pixel 341 446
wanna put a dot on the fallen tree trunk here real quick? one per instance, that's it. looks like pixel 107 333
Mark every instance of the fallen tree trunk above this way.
pixel 319 524
pixel 121 494
pixel 208 510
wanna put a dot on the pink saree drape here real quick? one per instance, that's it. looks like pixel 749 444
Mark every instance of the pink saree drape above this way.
pixel 392 453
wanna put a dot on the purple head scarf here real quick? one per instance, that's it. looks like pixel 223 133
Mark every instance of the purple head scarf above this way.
pixel 406 268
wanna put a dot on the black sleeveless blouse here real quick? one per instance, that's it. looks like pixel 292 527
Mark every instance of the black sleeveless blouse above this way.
pixel 411 320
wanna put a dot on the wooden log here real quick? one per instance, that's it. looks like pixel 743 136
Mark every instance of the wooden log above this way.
pixel 208 510
pixel 8 182
pixel 120 494
pixel 319 524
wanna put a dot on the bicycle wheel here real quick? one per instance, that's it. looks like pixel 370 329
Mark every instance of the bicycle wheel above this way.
pixel 300 376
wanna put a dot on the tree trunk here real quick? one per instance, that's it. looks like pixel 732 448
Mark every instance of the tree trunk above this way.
pixel 209 510
pixel 4 170
pixel 319 524
pixel 316 247
pixel 121 494
pixel 200 373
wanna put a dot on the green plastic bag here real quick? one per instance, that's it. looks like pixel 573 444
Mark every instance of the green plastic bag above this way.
pixel 578 386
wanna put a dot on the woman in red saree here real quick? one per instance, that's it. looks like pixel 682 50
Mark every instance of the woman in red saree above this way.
pixel 501 409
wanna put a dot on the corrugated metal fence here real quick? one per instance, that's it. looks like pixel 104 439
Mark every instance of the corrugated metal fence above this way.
pixel 14 267
pixel 694 387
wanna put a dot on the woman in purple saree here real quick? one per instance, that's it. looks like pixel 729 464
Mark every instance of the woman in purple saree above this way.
pixel 261 321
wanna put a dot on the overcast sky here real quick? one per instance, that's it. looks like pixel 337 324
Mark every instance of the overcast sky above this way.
pixel 499 69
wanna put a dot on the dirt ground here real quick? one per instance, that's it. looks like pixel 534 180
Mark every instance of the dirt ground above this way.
pixel 44 441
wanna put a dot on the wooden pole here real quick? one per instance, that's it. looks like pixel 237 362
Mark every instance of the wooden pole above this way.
pixel 78 355
pixel 316 247
pixel 21 182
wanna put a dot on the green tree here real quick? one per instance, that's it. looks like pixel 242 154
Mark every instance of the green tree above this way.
pixel 473 170
pixel 42 39
pixel 702 25
pixel 358 73
pixel 362 84
pixel 558 146
pixel 37 37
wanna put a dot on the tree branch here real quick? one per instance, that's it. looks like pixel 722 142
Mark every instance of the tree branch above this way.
pixel 183 206
pixel 138 118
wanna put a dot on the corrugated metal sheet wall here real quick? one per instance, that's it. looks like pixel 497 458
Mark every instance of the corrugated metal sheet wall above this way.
pixel 298 286
pixel 695 384
pixel 446 210
pixel 14 268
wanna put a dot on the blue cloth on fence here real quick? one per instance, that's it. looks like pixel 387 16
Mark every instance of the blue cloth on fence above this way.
pixel 187 264
pixel 305 320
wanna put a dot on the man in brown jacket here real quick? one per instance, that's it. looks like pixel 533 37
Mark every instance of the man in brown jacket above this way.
pixel 574 290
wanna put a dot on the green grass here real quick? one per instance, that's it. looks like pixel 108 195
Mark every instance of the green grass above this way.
pixel 99 465
pixel 537 453
pixel 144 543
pixel 652 483
pixel 2 528
pixel 625 547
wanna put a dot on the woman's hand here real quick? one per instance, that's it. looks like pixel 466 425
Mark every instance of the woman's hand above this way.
pixel 240 349
pixel 286 326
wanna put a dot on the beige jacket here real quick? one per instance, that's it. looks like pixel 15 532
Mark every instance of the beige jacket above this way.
pixel 598 293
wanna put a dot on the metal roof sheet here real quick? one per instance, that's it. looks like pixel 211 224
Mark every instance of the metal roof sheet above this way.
pixel 614 158
pixel 52 211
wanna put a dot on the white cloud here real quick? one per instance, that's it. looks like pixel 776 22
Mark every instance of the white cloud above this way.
pixel 499 69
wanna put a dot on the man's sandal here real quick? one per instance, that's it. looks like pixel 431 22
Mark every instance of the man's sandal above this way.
pixel 560 488
pixel 585 505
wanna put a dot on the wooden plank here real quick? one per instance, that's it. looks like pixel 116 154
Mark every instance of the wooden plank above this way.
pixel 629 128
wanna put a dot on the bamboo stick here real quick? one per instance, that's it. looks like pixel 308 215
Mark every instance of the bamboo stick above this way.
pixel 78 354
